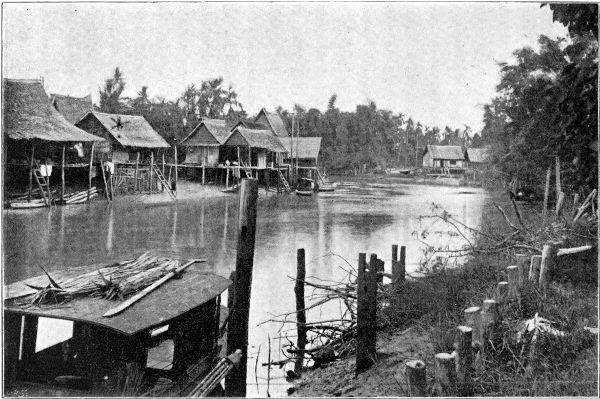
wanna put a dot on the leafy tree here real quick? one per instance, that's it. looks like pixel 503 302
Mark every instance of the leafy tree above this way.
pixel 110 96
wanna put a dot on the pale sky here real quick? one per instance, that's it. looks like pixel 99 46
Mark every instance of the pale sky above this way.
pixel 436 62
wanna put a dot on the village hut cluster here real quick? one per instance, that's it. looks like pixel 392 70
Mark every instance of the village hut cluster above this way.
pixel 454 159
pixel 60 150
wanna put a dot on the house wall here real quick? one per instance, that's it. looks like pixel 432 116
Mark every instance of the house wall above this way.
pixel 207 156
pixel 261 155
pixel 91 125
pixel 428 161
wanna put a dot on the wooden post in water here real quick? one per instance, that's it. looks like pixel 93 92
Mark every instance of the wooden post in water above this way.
pixel 62 174
pixel 90 172
pixel 416 378
pixel 237 336
pixel 137 169
pixel 300 310
pixel 534 268
pixel 445 375
pixel 31 172
pixel 464 366
pixel 366 313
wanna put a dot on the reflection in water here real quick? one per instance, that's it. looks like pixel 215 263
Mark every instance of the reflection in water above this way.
pixel 350 220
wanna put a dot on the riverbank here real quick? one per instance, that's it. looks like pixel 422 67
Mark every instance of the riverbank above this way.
pixel 432 307
pixel 415 180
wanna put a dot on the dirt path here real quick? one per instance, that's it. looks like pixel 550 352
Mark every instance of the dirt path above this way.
pixel 386 378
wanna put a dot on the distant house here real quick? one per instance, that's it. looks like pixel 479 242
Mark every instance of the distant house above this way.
pixel 444 156
pixel 257 148
pixel 305 149
pixel 202 145
pixel 72 108
pixel 477 157
pixel 125 135
pixel 273 121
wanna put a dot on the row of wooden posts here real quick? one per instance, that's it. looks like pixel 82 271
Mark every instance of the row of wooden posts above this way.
pixel 453 371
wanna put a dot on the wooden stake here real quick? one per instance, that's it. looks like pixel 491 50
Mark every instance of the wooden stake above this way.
pixel 90 173
pixel 473 320
pixel 575 205
pixel 489 317
pixel 445 375
pixel 151 170
pixel 464 366
pixel 523 265
pixel 237 336
pixel 300 310
pixel 501 291
pixel 366 313
pixel 548 258
pixel 558 184
pixel 416 378
pixel 513 282
pixel 137 168
pixel 62 174
pixel 559 203
pixel 547 193
pixel 534 268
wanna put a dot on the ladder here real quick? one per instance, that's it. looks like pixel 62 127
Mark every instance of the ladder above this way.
pixel 320 176
pixel 43 183
pixel 163 181
pixel 284 181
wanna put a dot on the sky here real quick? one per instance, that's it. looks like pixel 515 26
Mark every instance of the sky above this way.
pixel 435 62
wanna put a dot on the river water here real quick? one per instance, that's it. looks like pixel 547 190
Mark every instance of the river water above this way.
pixel 357 217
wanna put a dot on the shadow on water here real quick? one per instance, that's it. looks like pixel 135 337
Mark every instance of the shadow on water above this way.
pixel 350 220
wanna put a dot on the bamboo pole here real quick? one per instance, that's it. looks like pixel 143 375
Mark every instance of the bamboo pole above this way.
pixel 90 172
pixel 31 161
pixel 547 193
pixel 445 375
pixel 237 336
pixel 464 366
pixel 366 312
pixel 416 378
pixel 300 310
pixel 62 174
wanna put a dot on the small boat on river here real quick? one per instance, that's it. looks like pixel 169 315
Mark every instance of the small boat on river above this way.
pixel 305 187
pixel 165 344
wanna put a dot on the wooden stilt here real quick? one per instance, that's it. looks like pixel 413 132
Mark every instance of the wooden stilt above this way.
pixel 300 309
pixel 162 188
pixel 366 312
pixel 136 184
pixel 176 176
pixel 90 171
pixel 203 174
pixel 227 177
pixel 31 171
pixel 62 174
pixel 151 171
pixel 237 336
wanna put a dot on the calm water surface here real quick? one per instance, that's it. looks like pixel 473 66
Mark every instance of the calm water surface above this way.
pixel 361 217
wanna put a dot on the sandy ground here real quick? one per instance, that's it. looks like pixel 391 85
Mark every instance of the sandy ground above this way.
pixel 385 378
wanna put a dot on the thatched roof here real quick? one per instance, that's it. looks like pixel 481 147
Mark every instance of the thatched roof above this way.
pixel 451 152
pixel 129 130
pixel 209 132
pixel 243 137
pixel 275 122
pixel 250 124
pixel 478 155
pixel 303 147
pixel 72 108
pixel 29 115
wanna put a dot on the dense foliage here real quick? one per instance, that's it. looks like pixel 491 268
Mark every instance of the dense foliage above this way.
pixel 546 105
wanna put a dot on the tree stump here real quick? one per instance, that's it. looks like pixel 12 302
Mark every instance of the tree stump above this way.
pixel 464 365
pixel 416 378
pixel 445 375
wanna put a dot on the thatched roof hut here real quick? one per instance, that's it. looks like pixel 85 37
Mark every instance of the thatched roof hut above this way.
pixel 442 156
pixel 28 115
pixel 209 132
pixel 274 121
pixel 72 108
pixel 264 139
pixel 306 148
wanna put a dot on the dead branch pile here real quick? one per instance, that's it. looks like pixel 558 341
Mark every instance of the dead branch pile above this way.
pixel 115 281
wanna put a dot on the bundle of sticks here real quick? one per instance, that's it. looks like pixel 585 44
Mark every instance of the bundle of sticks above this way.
pixel 115 281
pixel 209 383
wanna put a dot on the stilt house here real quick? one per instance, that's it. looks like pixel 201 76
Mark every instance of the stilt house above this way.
pixel 256 148
pixel 35 132
pixel 126 135
pixel 273 121
pixel 72 108
pixel 202 145
pixel 304 149
pixel 444 156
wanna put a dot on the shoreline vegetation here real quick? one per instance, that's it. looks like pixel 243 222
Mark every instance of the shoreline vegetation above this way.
pixel 424 314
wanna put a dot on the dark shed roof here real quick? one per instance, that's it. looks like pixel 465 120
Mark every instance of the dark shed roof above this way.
pixel 29 115
pixel 129 130
pixel 452 152
pixel 209 132
pixel 255 138
pixel 72 108
pixel 170 300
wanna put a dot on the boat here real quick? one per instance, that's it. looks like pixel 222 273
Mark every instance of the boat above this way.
pixel 166 344
pixel 305 187
pixel 305 193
